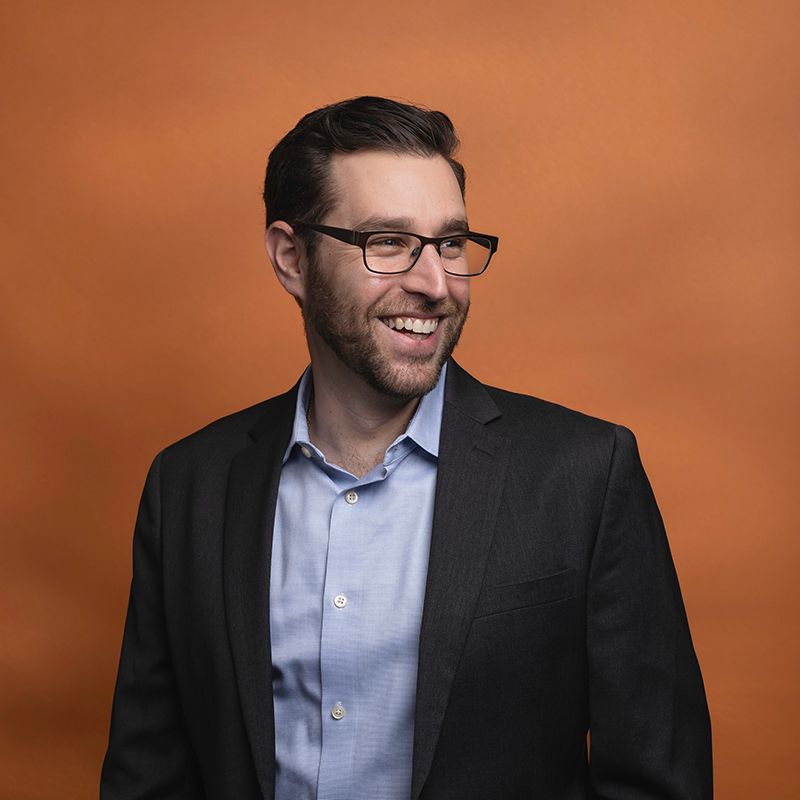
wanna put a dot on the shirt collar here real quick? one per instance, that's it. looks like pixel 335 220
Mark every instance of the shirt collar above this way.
pixel 423 430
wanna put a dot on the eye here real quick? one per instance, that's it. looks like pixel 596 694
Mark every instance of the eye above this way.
pixel 453 247
pixel 386 244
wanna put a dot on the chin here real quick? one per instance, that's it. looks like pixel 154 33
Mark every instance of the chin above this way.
pixel 406 383
pixel 346 330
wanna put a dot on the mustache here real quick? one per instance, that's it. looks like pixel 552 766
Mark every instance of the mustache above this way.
pixel 433 308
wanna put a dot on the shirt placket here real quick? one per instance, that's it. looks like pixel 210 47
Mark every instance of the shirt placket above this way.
pixel 339 644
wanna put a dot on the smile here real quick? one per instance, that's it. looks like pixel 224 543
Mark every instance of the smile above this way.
pixel 414 327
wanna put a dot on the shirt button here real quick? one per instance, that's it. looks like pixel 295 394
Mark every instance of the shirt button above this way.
pixel 338 711
pixel 305 451
pixel 351 497
pixel 340 601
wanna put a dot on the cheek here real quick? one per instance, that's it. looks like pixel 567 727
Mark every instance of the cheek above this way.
pixel 339 262
pixel 459 290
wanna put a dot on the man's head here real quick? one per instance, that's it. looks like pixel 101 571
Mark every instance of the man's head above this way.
pixel 298 185
pixel 371 164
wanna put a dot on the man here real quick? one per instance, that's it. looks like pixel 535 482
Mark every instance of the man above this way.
pixel 393 581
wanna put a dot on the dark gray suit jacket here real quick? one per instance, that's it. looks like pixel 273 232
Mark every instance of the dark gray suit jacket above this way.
pixel 552 607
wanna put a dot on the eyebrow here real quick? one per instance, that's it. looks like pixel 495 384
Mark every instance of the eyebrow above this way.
pixel 405 224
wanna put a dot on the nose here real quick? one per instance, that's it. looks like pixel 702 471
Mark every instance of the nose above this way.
pixel 427 276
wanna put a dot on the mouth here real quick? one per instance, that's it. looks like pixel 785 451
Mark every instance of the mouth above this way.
pixel 413 327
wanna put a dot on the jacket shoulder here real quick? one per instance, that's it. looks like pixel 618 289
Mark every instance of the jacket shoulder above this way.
pixel 547 430
pixel 526 410
pixel 530 419
pixel 224 437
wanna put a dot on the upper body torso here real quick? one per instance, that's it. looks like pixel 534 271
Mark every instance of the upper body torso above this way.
pixel 551 606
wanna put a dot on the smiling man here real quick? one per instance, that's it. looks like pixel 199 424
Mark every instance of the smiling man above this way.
pixel 381 319
pixel 393 581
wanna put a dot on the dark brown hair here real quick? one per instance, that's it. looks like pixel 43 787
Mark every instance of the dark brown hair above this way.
pixel 297 186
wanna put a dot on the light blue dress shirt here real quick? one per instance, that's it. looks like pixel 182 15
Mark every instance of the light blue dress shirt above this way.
pixel 347 585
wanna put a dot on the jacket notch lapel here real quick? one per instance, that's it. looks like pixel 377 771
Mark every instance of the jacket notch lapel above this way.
pixel 472 466
pixel 249 518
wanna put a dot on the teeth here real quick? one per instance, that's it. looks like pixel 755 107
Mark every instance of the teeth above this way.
pixel 412 324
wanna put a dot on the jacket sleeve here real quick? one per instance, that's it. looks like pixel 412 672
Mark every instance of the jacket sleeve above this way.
pixel 650 734
pixel 149 751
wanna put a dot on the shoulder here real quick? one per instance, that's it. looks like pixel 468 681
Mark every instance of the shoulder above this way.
pixel 522 416
pixel 550 433
pixel 542 438
pixel 526 416
pixel 222 439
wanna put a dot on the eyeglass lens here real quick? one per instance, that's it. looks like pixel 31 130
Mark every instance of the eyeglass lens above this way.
pixel 396 252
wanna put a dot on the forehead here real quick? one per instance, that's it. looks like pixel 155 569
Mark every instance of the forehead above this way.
pixel 369 184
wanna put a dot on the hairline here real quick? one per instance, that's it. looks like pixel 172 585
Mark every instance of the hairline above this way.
pixel 321 134
pixel 331 196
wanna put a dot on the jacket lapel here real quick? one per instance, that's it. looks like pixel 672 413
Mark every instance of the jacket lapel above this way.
pixel 249 517
pixel 472 467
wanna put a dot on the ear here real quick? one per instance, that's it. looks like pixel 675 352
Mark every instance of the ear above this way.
pixel 288 258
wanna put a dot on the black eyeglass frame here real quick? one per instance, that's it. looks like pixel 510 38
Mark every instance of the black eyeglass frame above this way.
pixel 360 239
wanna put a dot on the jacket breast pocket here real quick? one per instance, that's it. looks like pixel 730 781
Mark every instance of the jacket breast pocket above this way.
pixel 547 589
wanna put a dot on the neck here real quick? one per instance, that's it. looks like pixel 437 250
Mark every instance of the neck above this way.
pixel 352 423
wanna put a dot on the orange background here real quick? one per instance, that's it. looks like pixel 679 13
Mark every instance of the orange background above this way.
pixel 639 161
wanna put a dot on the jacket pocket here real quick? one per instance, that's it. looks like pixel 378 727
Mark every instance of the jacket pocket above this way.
pixel 538 591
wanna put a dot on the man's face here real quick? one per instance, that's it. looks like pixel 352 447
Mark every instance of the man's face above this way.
pixel 357 313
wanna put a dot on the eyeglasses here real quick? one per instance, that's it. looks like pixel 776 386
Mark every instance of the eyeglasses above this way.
pixel 393 252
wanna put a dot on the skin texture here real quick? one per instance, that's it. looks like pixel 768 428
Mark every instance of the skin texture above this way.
pixel 344 325
pixel 368 378
pixel 344 302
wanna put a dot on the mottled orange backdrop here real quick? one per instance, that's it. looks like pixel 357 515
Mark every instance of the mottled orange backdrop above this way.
pixel 639 161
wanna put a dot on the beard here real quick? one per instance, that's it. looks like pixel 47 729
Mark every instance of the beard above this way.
pixel 345 328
